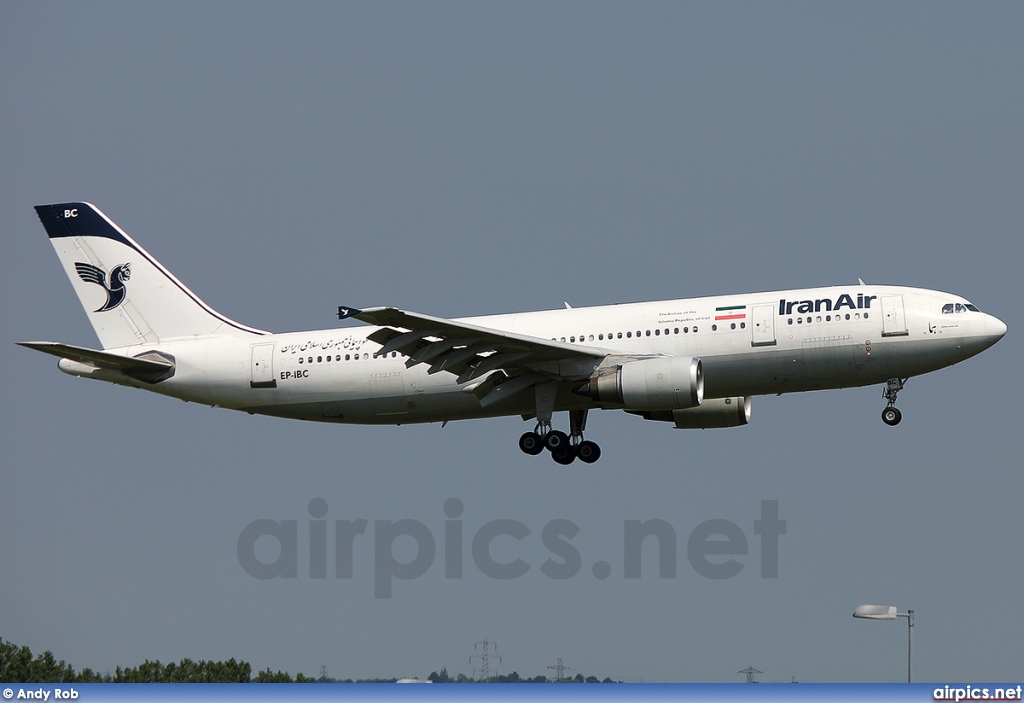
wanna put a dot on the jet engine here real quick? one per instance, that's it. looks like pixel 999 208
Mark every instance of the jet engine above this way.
pixel 714 412
pixel 664 383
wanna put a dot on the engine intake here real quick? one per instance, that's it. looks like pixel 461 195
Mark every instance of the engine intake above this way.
pixel 664 383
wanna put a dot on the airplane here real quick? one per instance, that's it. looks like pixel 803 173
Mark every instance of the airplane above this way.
pixel 693 363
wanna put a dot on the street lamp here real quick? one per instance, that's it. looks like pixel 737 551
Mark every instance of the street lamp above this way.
pixel 888 612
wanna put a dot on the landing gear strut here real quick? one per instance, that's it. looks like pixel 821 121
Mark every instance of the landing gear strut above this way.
pixel 891 415
pixel 564 449
pixel 587 451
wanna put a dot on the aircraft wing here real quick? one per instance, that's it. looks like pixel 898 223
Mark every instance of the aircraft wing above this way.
pixel 470 351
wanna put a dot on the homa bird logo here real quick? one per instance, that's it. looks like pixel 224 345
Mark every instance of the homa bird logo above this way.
pixel 115 288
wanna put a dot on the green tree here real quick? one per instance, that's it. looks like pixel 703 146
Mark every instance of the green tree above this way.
pixel 268 676
pixel 17 664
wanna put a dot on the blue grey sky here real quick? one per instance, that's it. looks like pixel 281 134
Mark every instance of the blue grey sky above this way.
pixel 469 158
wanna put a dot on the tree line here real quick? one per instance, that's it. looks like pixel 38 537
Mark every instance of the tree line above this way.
pixel 18 664
pixel 443 677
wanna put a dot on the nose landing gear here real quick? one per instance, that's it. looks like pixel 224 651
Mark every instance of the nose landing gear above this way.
pixel 891 415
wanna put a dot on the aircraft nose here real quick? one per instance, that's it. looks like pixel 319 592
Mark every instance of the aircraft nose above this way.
pixel 996 328
pixel 987 332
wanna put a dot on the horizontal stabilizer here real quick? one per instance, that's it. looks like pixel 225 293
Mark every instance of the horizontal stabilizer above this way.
pixel 150 367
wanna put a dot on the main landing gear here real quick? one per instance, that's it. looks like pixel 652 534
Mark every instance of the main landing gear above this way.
pixel 564 448
pixel 891 415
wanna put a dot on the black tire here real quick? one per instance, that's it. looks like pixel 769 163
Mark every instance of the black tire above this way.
pixel 891 416
pixel 564 455
pixel 588 451
pixel 556 439
pixel 531 443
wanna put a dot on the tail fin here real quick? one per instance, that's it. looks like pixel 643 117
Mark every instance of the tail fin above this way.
pixel 129 297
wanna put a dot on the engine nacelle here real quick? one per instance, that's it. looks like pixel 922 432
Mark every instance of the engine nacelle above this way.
pixel 715 412
pixel 665 383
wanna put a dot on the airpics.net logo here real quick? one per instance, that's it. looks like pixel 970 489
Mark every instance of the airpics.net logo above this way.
pixel 502 549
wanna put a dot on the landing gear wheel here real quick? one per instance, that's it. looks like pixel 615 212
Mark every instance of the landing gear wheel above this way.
pixel 531 443
pixel 588 451
pixel 565 454
pixel 555 440
pixel 892 416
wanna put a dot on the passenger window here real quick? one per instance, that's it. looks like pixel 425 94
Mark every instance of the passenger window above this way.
pixel 629 334
pixel 657 333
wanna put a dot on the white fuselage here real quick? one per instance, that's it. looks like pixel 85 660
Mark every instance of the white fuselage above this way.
pixel 751 344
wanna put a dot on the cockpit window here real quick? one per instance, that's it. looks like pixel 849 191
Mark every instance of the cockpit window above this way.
pixel 950 308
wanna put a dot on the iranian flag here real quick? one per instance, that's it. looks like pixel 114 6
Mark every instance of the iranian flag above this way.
pixel 731 312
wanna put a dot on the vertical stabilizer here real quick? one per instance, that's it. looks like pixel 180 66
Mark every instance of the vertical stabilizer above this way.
pixel 129 297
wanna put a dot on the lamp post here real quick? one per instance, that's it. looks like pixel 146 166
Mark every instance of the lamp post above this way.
pixel 888 612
